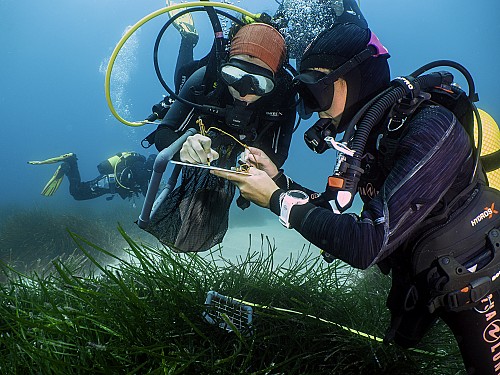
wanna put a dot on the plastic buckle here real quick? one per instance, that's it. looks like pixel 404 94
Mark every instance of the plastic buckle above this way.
pixel 329 258
pixel 453 300
pixel 340 147
pixel 395 120
pixel 411 298
pixel 479 288
pixel 472 293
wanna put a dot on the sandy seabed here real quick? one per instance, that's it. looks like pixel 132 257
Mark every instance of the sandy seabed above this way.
pixel 248 228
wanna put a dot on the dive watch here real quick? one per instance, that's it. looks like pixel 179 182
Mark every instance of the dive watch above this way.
pixel 287 201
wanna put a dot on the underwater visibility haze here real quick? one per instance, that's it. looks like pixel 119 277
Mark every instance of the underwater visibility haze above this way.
pixel 52 102
pixel 54 55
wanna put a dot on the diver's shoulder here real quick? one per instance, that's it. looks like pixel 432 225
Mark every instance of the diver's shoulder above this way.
pixel 434 112
pixel 434 120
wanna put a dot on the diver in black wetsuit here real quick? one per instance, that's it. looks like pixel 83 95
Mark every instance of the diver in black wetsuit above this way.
pixel 269 118
pixel 414 203
pixel 126 174
pixel 250 85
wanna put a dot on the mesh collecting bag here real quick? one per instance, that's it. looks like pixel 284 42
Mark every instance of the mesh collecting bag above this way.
pixel 195 215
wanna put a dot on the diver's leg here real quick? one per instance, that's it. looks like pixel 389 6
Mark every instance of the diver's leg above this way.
pixel 477 332
pixel 189 39
pixel 184 58
pixel 81 190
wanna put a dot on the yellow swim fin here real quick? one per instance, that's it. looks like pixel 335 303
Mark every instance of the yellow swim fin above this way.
pixel 54 183
pixel 184 24
pixel 53 160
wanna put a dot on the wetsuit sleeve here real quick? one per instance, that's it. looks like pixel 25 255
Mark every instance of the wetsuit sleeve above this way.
pixel 433 155
pixel 180 116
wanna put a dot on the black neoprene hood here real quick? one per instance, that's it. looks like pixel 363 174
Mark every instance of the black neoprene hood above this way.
pixel 338 44
pixel 335 46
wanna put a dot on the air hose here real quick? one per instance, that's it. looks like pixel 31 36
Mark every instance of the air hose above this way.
pixel 372 114
pixel 348 169
pixel 375 113
pixel 160 36
pixel 135 27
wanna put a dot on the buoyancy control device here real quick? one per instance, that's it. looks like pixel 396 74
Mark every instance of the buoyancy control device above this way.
pixel 456 263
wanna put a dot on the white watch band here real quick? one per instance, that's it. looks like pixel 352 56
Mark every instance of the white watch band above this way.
pixel 287 201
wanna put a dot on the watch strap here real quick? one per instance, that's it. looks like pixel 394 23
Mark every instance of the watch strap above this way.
pixel 274 203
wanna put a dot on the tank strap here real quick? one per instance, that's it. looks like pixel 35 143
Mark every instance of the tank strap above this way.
pixel 112 183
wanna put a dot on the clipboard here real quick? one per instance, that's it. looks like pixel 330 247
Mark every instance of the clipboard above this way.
pixel 205 166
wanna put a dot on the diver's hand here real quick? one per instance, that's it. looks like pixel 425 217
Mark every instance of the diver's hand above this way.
pixel 257 186
pixel 197 150
pixel 258 159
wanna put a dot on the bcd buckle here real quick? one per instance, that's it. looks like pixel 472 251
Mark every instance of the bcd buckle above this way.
pixel 454 296
pixel 471 294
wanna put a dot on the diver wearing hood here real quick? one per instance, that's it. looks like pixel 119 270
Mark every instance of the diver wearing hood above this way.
pixel 363 75
pixel 253 85
pixel 255 93
pixel 412 213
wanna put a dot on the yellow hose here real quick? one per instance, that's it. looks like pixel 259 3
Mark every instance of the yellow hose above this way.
pixel 134 28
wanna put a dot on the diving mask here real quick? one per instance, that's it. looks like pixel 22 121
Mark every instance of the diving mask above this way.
pixel 316 89
pixel 247 78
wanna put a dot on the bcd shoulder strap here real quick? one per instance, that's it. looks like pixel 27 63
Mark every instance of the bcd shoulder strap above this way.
pixel 395 130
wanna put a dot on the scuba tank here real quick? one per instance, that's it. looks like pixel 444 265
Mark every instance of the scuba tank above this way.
pixel 119 161
pixel 490 153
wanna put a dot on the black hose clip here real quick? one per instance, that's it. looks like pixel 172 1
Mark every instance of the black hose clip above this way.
pixel 409 84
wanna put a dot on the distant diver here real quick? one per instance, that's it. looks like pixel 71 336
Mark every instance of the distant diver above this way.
pixel 126 174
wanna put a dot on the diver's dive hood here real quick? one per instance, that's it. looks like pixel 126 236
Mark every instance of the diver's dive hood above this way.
pixel 342 47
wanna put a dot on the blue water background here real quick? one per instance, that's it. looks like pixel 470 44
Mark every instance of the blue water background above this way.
pixel 54 54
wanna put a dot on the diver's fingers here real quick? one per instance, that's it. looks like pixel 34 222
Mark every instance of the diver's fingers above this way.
pixel 235 177
pixel 212 155
pixel 198 141
pixel 257 151
pixel 205 142
pixel 189 155
pixel 193 150
pixel 256 156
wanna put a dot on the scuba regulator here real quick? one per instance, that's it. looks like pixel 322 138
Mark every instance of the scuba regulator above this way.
pixel 315 136
pixel 408 93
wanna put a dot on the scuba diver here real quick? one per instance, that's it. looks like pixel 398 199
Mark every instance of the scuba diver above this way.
pixel 252 89
pixel 126 174
pixel 256 86
pixel 429 216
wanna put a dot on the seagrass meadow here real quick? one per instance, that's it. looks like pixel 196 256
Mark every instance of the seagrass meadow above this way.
pixel 140 309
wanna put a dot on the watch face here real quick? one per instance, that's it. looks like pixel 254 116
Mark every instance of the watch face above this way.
pixel 297 194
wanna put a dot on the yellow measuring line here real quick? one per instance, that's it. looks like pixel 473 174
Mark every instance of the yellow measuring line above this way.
pixel 134 28
pixel 351 330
